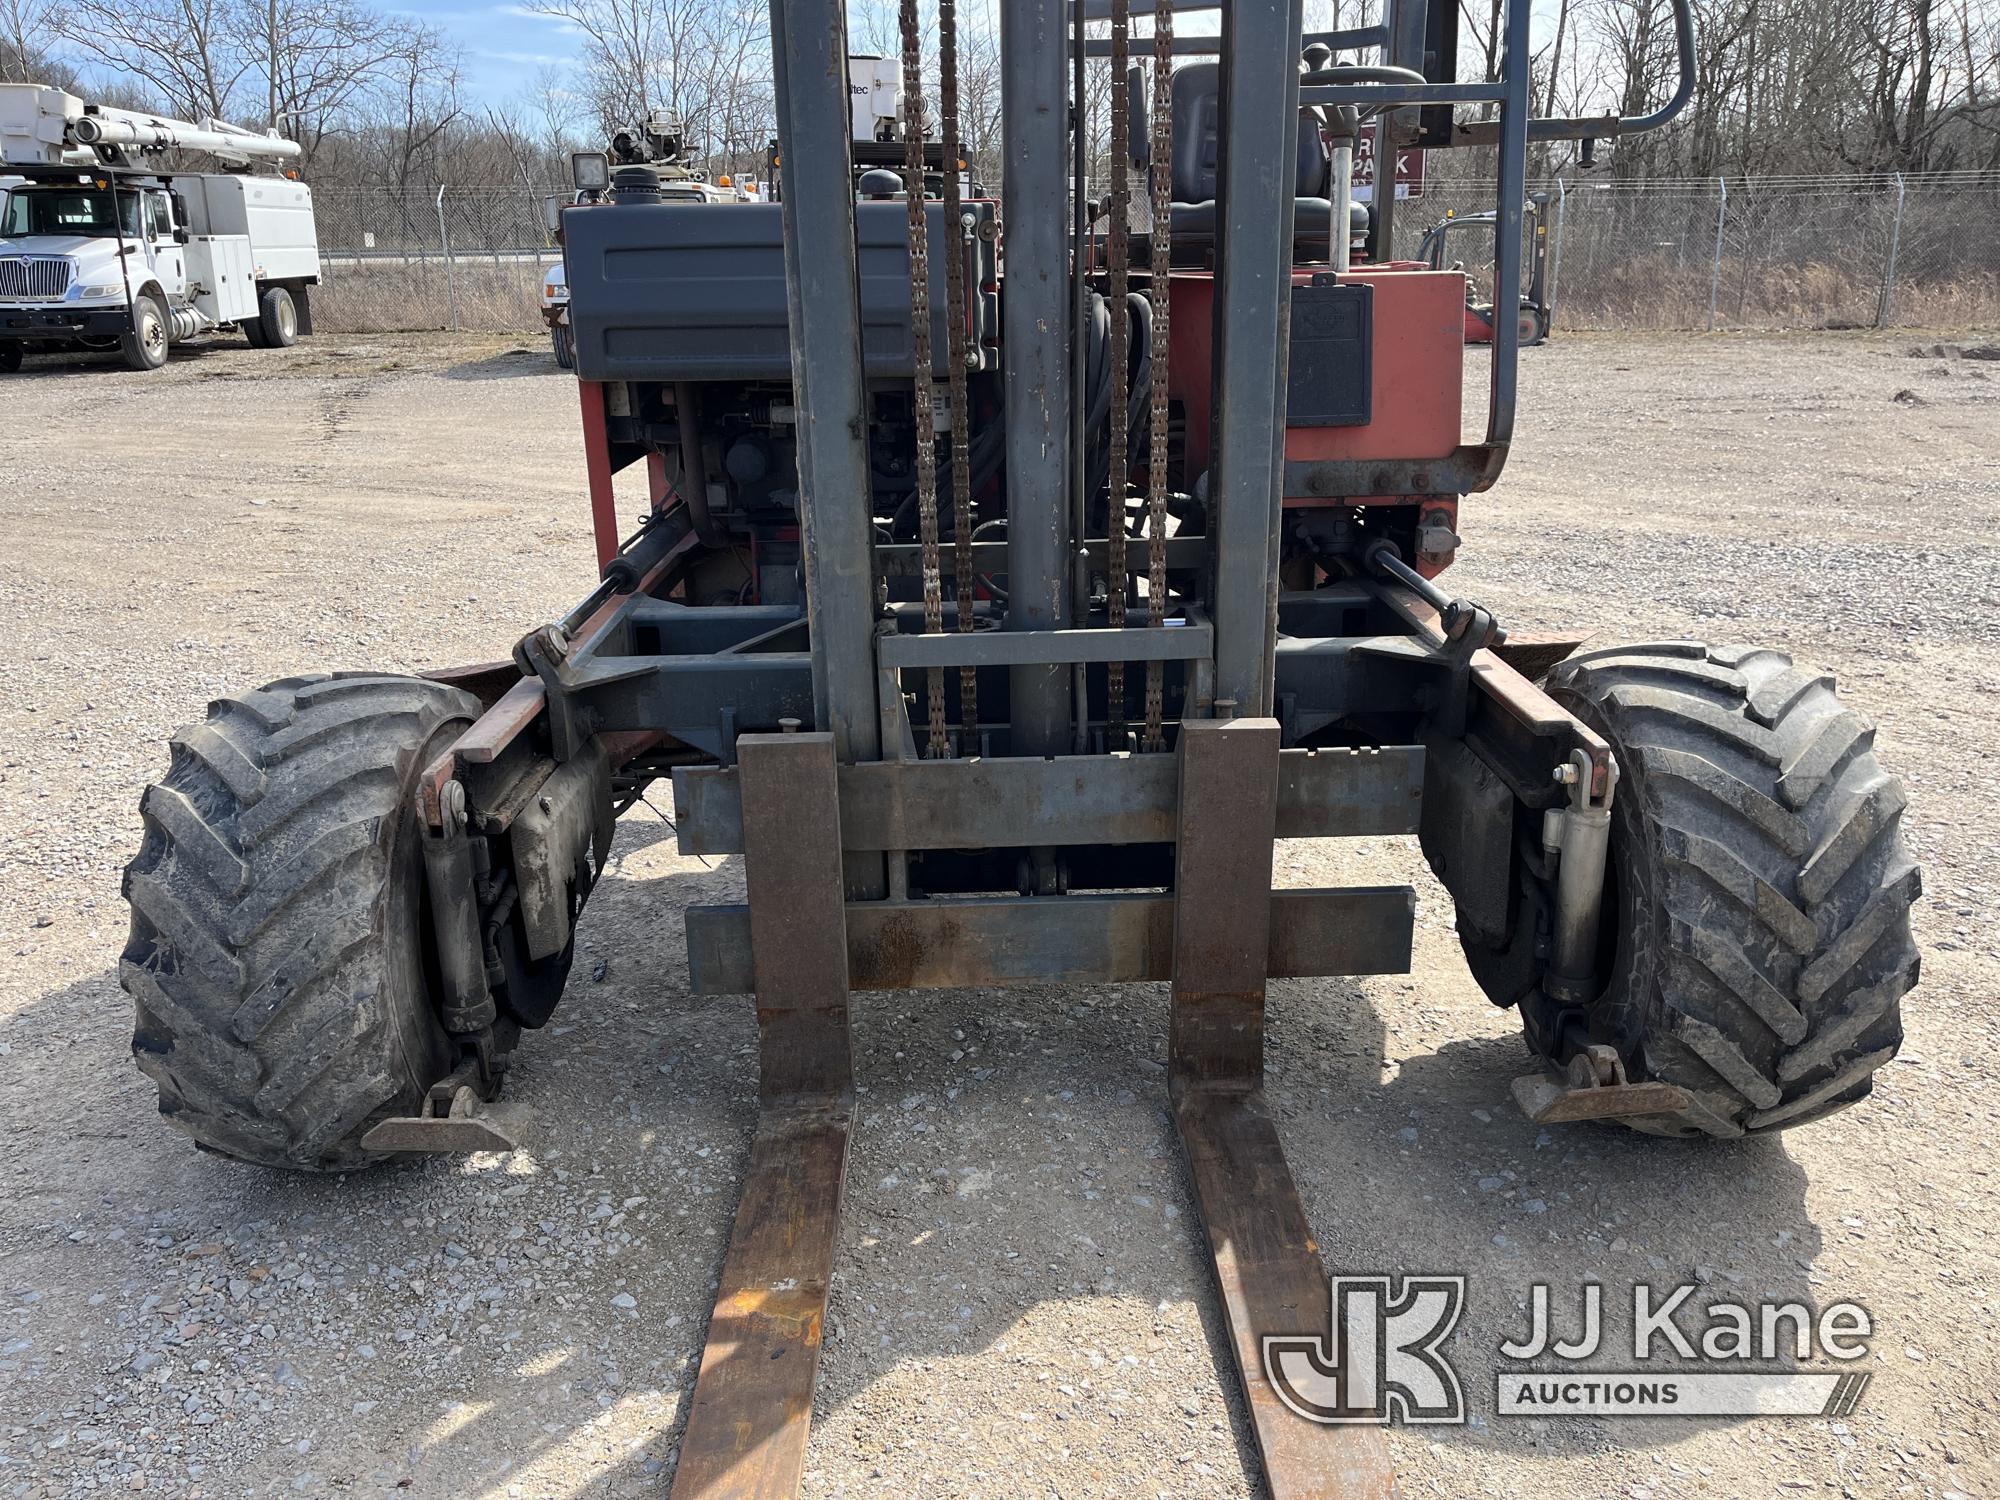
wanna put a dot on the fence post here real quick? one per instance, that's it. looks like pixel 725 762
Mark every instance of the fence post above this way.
pixel 450 278
pixel 1556 251
pixel 1715 266
pixel 1883 307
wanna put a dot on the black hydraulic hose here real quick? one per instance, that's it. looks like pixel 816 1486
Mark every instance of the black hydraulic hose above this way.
pixel 988 449
pixel 694 467
pixel 1138 402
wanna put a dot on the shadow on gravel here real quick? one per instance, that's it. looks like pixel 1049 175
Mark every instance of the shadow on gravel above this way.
pixel 77 361
pixel 464 1327
pixel 510 364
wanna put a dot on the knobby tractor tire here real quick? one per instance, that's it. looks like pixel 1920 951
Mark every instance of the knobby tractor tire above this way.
pixel 1759 885
pixel 277 960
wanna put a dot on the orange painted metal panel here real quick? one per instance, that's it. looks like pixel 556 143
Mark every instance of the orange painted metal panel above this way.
pixel 1418 375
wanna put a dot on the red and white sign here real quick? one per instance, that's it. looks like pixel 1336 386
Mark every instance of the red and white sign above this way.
pixel 1409 169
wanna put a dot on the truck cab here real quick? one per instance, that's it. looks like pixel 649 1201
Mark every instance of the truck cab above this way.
pixel 76 256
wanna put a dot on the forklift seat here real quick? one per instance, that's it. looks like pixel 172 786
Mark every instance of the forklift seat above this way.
pixel 1197 108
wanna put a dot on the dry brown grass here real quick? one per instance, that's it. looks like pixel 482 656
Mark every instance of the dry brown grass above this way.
pixel 1659 294
pixel 391 296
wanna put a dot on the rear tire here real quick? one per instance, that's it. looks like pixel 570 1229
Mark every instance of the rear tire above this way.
pixel 1757 917
pixel 278 959
pixel 253 332
pixel 279 319
pixel 144 345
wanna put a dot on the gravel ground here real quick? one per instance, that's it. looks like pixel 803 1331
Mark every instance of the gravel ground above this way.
pixel 1021 1306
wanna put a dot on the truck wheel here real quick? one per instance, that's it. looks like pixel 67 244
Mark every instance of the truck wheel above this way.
pixel 145 345
pixel 278 960
pixel 1757 905
pixel 279 321
pixel 563 339
pixel 253 332
pixel 10 358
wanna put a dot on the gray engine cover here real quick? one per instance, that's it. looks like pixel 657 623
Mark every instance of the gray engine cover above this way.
pixel 696 291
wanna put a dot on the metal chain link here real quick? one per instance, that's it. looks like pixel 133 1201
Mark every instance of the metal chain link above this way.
pixel 1119 253
pixel 956 353
pixel 924 409
pixel 1156 442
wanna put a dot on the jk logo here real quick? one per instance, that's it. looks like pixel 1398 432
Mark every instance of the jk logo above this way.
pixel 1379 1361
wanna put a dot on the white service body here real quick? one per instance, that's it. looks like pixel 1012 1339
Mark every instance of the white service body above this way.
pixel 875 91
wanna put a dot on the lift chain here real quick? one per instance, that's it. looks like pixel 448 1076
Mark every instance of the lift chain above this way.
pixel 924 409
pixel 1119 447
pixel 1162 156
pixel 955 339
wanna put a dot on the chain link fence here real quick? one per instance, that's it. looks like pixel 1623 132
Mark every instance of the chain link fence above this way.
pixel 462 258
pixel 1778 252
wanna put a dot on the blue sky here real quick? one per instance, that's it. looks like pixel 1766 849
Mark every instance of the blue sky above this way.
pixel 505 44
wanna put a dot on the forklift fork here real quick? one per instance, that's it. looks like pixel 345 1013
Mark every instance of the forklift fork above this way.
pixel 1267 1264
pixel 746 1431
pixel 752 1407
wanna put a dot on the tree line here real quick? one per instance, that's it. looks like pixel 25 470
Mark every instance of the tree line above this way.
pixel 378 97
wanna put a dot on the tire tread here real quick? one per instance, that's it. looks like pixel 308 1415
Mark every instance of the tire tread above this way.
pixel 257 960
pixel 1779 871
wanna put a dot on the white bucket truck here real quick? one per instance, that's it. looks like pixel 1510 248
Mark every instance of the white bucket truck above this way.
pixel 103 245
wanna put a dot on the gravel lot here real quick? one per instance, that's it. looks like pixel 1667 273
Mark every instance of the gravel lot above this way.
pixel 1021 1306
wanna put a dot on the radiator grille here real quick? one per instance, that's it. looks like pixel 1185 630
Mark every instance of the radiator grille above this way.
pixel 33 278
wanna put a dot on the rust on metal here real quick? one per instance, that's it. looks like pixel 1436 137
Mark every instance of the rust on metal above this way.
pixel 1267 1264
pixel 1594 1086
pixel 487 681
pixel 752 1406
pixel 1533 652
pixel 1062 800
pixel 508 716
pixel 1100 938
pixel 1501 683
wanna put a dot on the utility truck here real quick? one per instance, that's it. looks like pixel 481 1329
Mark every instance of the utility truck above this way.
pixel 104 244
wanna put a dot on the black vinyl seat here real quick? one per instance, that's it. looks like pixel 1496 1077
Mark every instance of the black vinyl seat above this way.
pixel 1197 107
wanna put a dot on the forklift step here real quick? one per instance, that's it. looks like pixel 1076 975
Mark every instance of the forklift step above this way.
pixel 454 1126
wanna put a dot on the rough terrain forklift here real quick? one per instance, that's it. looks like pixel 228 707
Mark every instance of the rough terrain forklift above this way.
pixel 1535 313
pixel 1001 620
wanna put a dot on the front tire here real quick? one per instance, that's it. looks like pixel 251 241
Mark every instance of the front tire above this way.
pixel 1757 914
pixel 10 358
pixel 562 338
pixel 278 958
pixel 144 345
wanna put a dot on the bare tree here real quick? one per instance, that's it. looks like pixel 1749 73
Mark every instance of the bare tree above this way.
pixel 195 55
pixel 322 58
pixel 27 27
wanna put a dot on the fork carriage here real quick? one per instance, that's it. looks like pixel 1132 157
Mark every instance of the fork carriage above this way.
pixel 1002 632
